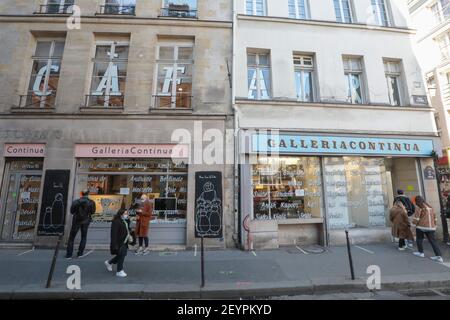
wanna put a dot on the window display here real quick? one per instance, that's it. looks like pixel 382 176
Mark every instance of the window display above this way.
pixel 287 188
pixel 120 183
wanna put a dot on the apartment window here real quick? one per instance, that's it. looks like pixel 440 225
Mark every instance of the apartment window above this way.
pixel 393 73
pixel 343 11
pixel 256 7
pixel 174 76
pixel 298 9
pixel 441 10
pixel 380 12
pixel 44 75
pixel 304 82
pixel 125 7
pixel 179 8
pixel 109 74
pixel 354 78
pixel 258 66
pixel 56 6
pixel 444 45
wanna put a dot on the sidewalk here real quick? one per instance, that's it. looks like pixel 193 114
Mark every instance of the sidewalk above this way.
pixel 229 273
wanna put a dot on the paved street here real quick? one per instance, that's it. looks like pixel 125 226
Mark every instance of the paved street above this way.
pixel 292 271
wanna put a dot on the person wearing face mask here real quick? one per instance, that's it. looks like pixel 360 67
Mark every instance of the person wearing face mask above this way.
pixel 120 238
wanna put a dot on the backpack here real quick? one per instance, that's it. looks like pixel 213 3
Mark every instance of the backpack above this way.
pixel 81 210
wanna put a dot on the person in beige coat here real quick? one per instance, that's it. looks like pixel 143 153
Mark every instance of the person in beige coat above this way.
pixel 401 227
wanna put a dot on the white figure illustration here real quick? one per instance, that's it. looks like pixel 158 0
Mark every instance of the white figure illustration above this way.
pixel 47 218
pixel 57 211
pixel 209 212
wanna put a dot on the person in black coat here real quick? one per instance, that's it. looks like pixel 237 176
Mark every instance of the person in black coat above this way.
pixel 120 238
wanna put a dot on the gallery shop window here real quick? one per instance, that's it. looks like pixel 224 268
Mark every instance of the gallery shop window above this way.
pixel 256 7
pixel 44 75
pixel 354 77
pixel 444 45
pixel 380 12
pixel 120 183
pixel 298 9
pixel 109 74
pixel 343 10
pixel 258 73
pixel 356 192
pixel 174 76
pixel 441 10
pixel 56 6
pixel 125 7
pixel 20 200
pixel 287 188
pixel 304 82
pixel 393 73
pixel 179 8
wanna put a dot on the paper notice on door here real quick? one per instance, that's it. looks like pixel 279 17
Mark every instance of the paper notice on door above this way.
pixel 299 192
pixel 125 191
pixel 25 195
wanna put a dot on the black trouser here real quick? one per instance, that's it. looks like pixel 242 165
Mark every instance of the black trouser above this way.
pixel 430 236
pixel 120 257
pixel 143 239
pixel 76 226
pixel 401 243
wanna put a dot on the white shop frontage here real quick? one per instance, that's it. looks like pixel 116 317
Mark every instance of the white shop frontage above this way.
pixel 307 189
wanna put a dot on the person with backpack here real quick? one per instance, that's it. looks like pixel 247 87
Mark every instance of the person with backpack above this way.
pixel 82 209
pixel 410 209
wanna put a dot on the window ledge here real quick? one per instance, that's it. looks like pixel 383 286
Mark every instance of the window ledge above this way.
pixel 32 110
pixel 171 110
pixel 99 109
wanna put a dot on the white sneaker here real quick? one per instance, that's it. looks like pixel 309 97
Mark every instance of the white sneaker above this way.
pixel 402 248
pixel 138 251
pixel 419 254
pixel 108 266
pixel 121 274
pixel 448 243
pixel 437 259
pixel 146 251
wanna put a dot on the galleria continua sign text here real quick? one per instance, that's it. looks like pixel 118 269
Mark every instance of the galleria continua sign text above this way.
pixel 297 144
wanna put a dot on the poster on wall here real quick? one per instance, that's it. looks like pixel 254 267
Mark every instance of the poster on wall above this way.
pixel 54 203
pixel 208 204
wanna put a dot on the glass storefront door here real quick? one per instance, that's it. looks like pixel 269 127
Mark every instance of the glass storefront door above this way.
pixel 21 200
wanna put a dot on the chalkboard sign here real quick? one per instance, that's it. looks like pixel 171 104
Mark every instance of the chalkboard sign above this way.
pixel 208 204
pixel 54 203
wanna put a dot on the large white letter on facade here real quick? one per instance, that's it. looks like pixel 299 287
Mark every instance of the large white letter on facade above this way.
pixel 169 77
pixel 41 76
pixel 110 75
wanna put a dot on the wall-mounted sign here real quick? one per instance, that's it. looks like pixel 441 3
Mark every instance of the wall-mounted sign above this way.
pixel 24 150
pixel 423 100
pixel 54 203
pixel 299 144
pixel 208 204
pixel 429 173
pixel 131 151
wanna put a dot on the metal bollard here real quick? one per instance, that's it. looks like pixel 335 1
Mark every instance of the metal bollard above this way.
pixel 52 268
pixel 349 255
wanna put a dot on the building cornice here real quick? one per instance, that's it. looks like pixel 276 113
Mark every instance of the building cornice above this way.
pixel 328 24
pixel 118 21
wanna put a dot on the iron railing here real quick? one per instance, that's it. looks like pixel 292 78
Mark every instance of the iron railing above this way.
pixel 32 101
pixel 116 9
pixel 104 101
pixel 55 9
pixel 180 101
pixel 178 13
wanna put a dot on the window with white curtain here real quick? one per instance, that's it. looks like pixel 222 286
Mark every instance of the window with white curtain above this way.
pixel 380 12
pixel 343 10
pixel 256 7
pixel 304 82
pixel 354 77
pixel 258 73
pixel 298 9
pixel 393 73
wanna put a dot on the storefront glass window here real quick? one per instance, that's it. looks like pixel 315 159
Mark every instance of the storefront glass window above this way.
pixel 120 183
pixel 287 188
pixel 356 192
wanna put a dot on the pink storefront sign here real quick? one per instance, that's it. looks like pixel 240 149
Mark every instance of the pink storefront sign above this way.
pixel 24 150
pixel 131 151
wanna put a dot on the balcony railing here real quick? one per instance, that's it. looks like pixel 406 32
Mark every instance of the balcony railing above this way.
pixel 55 9
pixel 32 101
pixel 115 9
pixel 180 101
pixel 178 13
pixel 96 101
